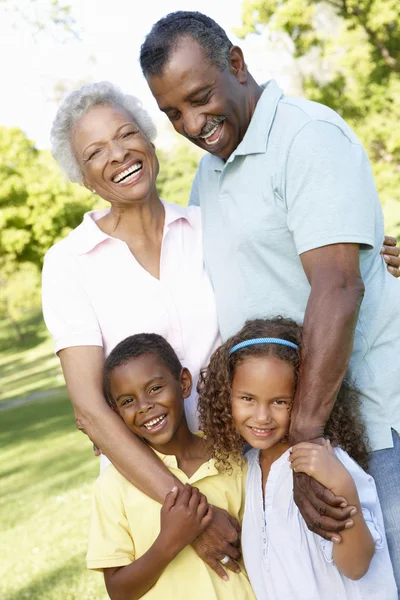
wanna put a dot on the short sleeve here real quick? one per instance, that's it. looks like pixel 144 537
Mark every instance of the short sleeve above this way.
pixel 194 199
pixel 329 189
pixel 110 543
pixel 369 502
pixel 67 310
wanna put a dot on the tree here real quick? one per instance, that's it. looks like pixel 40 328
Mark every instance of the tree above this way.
pixel 37 208
pixel 177 170
pixel 37 205
pixel 357 71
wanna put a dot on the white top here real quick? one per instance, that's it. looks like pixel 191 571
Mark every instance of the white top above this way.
pixel 286 561
pixel 95 293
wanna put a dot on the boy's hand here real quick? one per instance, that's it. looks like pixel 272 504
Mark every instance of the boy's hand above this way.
pixel 321 463
pixel 184 516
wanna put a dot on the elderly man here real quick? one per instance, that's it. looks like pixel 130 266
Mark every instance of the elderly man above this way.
pixel 292 225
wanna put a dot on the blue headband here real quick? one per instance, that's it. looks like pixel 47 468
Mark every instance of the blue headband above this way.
pixel 262 341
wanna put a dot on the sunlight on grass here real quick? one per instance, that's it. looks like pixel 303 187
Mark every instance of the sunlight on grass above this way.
pixel 47 469
pixel 29 367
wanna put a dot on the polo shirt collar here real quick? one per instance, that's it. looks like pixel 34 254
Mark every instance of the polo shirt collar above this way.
pixel 88 235
pixel 255 139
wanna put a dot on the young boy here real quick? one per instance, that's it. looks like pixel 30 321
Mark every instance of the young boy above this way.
pixel 146 384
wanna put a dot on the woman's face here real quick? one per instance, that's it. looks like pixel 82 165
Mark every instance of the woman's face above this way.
pixel 116 159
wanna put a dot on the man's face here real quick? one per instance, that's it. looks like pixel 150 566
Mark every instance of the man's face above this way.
pixel 208 106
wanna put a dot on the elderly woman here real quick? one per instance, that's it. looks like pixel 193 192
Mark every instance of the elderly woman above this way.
pixel 135 267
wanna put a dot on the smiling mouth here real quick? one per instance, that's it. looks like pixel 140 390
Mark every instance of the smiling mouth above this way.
pixel 214 136
pixel 262 432
pixel 155 424
pixel 129 174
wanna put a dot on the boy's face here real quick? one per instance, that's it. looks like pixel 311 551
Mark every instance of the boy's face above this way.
pixel 149 398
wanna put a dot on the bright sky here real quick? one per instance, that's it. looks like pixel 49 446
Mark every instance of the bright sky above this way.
pixel 112 32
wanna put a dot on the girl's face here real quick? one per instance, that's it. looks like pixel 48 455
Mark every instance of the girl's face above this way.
pixel 262 394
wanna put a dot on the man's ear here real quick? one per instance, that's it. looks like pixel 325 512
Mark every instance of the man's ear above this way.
pixel 237 64
pixel 185 379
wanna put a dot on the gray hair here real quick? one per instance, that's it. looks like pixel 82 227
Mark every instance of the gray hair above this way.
pixel 166 33
pixel 75 105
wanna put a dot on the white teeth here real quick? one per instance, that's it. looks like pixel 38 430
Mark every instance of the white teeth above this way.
pixel 129 171
pixel 211 132
pixel 261 430
pixel 153 422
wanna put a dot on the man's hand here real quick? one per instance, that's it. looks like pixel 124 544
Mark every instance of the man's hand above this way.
pixel 219 539
pixel 391 255
pixel 324 513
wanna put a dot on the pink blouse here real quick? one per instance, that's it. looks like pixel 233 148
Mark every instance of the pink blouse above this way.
pixel 95 293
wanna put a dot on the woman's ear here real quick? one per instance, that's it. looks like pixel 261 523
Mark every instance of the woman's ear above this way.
pixel 186 382
pixel 89 187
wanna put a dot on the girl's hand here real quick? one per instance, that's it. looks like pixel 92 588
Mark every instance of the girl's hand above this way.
pixel 184 516
pixel 321 463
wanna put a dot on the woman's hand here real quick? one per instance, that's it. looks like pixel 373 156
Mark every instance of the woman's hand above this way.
pixel 391 255
pixel 184 516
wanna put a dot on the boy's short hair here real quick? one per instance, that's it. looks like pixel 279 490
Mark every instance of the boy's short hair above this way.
pixel 135 346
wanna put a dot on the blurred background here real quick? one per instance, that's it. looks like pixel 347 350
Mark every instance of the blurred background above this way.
pixel 343 53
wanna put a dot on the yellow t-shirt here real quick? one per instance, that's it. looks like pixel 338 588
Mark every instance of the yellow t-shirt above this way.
pixel 125 523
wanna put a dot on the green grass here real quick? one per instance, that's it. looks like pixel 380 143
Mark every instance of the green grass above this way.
pixel 47 469
pixel 29 367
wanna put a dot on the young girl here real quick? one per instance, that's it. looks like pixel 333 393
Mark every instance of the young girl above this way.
pixel 246 395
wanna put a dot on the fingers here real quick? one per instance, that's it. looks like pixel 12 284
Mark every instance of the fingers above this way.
pixel 204 509
pixel 231 565
pixel 235 523
pixel 185 495
pixel 170 498
pixel 96 450
pixel 320 509
pixel 394 272
pixel 391 255
pixel 194 499
pixel 389 241
pixel 302 464
pixel 207 517
pixel 217 567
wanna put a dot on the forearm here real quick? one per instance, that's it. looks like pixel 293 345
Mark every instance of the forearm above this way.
pixel 354 554
pixel 134 580
pixel 328 336
pixel 83 372
pixel 128 453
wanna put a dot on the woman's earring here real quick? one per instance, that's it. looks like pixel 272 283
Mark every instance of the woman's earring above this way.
pixel 94 191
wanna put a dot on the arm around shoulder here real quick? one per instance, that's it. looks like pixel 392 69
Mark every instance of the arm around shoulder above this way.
pixel 83 372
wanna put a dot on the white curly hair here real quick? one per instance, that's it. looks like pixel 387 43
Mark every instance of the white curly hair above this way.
pixel 75 105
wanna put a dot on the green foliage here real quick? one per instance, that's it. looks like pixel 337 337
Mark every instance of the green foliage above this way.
pixel 357 72
pixel 177 170
pixel 37 205
pixel 19 293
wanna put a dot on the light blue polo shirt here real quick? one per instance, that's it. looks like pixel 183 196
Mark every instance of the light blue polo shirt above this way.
pixel 300 180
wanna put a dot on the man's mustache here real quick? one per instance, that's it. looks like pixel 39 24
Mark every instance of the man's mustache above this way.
pixel 207 127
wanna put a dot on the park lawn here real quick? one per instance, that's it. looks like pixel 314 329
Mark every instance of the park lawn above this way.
pixel 27 368
pixel 46 471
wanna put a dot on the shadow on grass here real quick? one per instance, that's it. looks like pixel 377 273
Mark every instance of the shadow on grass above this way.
pixel 36 421
pixel 33 330
pixel 51 462
pixel 41 587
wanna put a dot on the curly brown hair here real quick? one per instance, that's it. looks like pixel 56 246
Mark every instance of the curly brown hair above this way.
pixel 344 428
